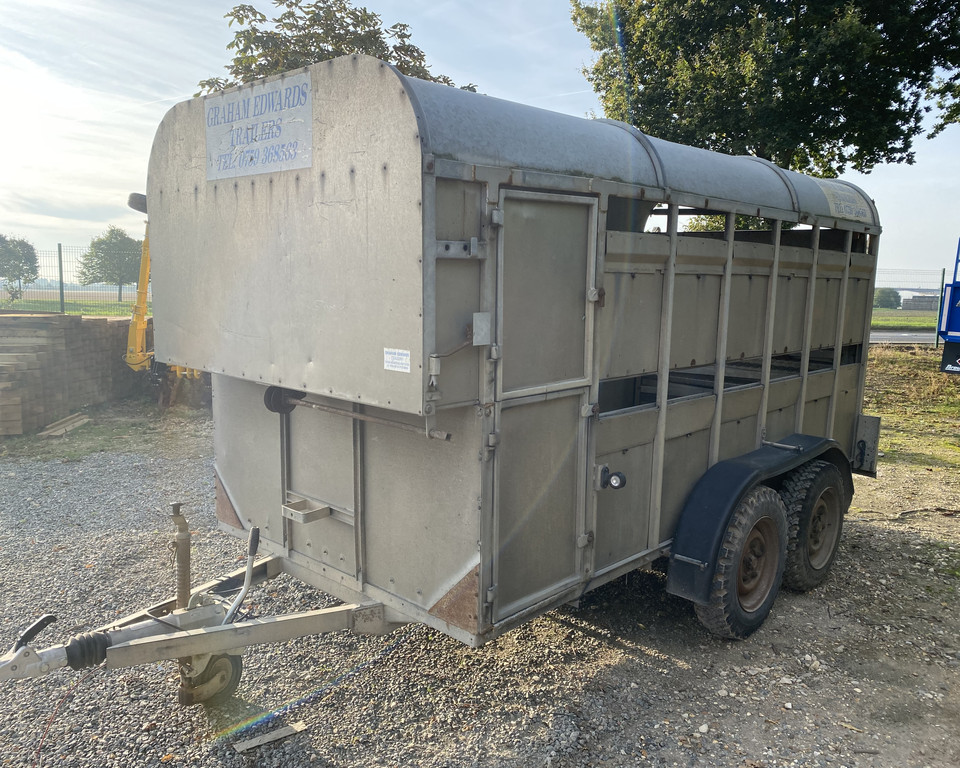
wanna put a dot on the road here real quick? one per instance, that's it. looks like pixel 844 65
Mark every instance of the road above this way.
pixel 903 337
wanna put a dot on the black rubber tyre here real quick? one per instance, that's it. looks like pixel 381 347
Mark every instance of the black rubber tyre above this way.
pixel 750 566
pixel 216 683
pixel 816 503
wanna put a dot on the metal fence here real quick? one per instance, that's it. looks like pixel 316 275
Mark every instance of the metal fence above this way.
pixel 911 280
pixel 58 288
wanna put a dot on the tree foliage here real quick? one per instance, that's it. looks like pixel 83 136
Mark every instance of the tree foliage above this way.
pixel 816 87
pixel 18 264
pixel 886 298
pixel 946 91
pixel 714 222
pixel 307 32
pixel 112 258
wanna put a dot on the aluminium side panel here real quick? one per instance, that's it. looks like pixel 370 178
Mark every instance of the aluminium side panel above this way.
pixel 246 446
pixel 422 502
pixel 404 521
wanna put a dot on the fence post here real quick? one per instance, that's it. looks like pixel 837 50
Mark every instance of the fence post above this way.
pixel 63 306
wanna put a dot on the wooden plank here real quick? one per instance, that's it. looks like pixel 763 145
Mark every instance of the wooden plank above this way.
pixel 17 344
pixel 60 428
pixel 280 733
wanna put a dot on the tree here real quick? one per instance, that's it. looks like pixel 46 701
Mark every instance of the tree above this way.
pixel 816 87
pixel 18 265
pixel 886 298
pixel 714 222
pixel 308 32
pixel 947 93
pixel 113 258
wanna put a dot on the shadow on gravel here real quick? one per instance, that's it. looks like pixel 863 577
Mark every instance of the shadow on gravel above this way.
pixel 636 605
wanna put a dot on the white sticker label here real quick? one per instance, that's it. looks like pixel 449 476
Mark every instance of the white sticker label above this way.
pixel 261 128
pixel 396 360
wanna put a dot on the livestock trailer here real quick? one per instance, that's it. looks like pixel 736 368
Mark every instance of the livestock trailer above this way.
pixel 472 359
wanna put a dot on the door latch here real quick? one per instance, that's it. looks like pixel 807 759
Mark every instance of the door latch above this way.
pixel 598 296
pixel 612 480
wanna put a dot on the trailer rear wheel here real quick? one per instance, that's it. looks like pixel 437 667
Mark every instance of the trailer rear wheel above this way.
pixel 750 566
pixel 816 503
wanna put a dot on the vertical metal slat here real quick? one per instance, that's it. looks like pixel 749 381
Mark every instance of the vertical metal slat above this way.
pixel 285 523
pixel 663 377
pixel 808 328
pixel 768 335
pixel 838 338
pixel 723 325
pixel 359 529
pixel 867 318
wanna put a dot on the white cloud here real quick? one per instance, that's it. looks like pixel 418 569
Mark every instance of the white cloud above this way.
pixel 70 149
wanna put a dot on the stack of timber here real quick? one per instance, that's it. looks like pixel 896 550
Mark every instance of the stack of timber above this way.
pixel 54 365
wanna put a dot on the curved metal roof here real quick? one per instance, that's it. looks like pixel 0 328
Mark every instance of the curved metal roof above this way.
pixel 478 129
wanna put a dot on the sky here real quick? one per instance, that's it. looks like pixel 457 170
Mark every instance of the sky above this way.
pixel 85 83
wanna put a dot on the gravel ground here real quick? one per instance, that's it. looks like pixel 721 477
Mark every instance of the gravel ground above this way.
pixel 864 671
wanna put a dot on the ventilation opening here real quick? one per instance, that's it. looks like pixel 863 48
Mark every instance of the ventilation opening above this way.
pixel 626 214
pixel 630 392
pixel 822 359
pixel 641 391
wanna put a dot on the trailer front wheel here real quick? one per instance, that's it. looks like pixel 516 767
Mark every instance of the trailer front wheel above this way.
pixel 217 682
pixel 750 566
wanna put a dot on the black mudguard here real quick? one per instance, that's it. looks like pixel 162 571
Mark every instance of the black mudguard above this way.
pixel 709 507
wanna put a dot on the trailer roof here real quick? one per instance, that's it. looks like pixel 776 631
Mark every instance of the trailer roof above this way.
pixel 478 129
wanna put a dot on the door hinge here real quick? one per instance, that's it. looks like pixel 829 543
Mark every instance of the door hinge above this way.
pixel 597 295
pixel 496 217
pixel 585 540
pixel 491 594
pixel 493 440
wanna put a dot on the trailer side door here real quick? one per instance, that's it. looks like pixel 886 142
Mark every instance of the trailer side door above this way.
pixel 545 327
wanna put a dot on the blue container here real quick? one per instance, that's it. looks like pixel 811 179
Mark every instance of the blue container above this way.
pixel 948 326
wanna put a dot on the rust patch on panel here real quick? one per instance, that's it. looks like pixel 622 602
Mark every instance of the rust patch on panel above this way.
pixel 459 605
pixel 225 511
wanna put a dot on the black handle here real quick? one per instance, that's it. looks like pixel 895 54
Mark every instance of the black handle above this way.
pixel 33 630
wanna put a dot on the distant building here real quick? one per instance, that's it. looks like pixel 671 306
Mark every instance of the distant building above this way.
pixel 926 303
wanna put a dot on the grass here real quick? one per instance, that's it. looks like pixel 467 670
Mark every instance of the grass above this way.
pixel 71 307
pixel 903 320
pixel 134 425
pixel 920 406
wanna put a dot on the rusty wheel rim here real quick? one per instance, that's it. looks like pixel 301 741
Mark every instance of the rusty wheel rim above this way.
pixel 824 528
pixel 757 570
